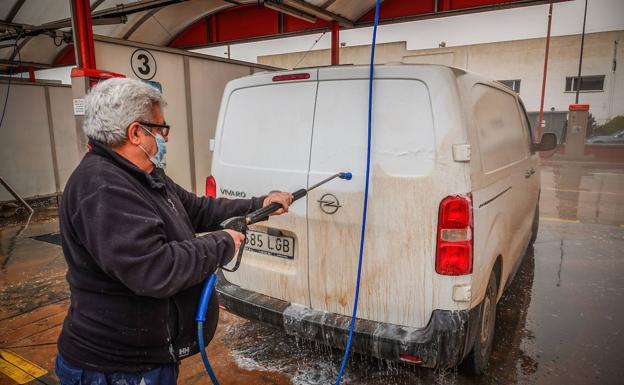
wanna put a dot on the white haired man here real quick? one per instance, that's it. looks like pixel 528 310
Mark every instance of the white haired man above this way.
pixel 135 265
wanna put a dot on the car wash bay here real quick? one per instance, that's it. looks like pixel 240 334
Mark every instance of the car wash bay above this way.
pixel 560 320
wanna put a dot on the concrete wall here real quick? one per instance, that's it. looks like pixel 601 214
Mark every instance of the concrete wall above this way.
pixel 37 150
pixel 522 59
pixel 205 102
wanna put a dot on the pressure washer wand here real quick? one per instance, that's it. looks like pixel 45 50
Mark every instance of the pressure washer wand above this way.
pixel 240 224
pixel 262 214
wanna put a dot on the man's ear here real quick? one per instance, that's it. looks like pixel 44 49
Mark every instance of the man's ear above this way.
pixel 134 130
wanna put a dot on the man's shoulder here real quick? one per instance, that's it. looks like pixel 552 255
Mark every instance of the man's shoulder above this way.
pixel 94 173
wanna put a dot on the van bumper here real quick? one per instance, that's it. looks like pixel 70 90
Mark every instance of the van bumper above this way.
pixel 443 343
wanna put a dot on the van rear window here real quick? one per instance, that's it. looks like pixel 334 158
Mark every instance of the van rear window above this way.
pixel 403 134
pixel 269 127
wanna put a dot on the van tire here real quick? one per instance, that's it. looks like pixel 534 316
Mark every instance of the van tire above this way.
pixel 535 226
pixel 477 360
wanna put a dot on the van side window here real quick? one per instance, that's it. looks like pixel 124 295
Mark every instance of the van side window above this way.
pixel 499 128
pixel 527 127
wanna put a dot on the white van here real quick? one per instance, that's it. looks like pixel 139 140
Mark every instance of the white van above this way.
pixel 453 205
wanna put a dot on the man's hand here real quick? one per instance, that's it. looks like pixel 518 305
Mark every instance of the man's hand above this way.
pixel 237 237
pixel 283 198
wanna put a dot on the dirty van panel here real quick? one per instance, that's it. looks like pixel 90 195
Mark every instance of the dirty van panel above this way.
pixel 402 210
pixel 504 201
pixel 264 145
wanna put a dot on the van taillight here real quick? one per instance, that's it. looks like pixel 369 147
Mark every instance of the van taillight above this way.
pixel 410 358
pixel 211 187
pixel 454 242
pixel 281 78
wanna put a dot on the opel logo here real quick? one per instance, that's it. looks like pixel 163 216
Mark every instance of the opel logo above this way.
pixel 329 204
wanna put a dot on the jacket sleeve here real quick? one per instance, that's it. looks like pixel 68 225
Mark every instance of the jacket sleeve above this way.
pixel 127 240
pixel 207 213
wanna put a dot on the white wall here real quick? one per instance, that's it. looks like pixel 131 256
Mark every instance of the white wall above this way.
pixel 61 74
pixel 28 129
pixel 209 80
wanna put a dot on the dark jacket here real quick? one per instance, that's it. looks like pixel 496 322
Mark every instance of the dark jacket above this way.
pixel 135 266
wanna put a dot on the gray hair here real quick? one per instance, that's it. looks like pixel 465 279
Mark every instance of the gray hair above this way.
pixel 113 104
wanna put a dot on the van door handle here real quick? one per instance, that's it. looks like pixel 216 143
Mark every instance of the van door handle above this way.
pixel 528 173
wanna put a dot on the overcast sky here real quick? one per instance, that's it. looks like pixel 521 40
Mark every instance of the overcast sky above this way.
pixel 486 27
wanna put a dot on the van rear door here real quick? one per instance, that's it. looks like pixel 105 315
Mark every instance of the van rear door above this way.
pixel 402 210
pixel 263 144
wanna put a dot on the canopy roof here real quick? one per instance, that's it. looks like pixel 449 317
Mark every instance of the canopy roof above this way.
pixel 37 33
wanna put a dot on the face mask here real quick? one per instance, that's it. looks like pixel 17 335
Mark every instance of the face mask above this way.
pixel 157 159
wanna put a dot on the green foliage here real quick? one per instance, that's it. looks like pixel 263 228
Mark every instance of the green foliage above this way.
pixel 592 126
pixel 611 127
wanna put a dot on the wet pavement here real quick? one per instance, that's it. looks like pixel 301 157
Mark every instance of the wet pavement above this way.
pixel 560 322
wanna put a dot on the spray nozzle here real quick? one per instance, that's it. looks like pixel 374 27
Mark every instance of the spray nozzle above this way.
pixel 345 175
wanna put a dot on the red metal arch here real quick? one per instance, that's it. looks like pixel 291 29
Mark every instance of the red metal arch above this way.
pixel 253 22
pixel 242 23
pixel 66 57
pixel 391 9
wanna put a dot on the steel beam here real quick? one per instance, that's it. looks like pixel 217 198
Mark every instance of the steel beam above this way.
pixel 541 110
pixel 189 122
pixel 130 8
pixel 288 10
pixel 15 63
pixel 14 10
pixel 55 163
pixel 301 4
pixel 83 33
pixel 335 43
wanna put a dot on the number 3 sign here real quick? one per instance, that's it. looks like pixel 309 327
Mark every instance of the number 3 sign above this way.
pixel 143 64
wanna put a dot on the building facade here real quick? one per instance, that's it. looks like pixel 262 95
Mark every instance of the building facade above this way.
pixel 519 64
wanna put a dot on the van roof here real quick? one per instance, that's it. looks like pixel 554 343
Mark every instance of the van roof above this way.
pixel 359 66
pixel 361 70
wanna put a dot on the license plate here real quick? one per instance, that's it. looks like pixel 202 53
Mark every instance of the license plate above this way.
pixel 278 246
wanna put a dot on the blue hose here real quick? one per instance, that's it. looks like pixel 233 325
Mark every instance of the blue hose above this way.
pixel 209 284
pixel 345 357
pixel 204 299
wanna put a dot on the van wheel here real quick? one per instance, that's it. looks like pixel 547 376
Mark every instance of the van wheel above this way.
pixel 477 361
pixel 535 227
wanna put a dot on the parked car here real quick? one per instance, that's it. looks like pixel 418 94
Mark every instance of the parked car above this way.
pixel 453 205
pixel 616 138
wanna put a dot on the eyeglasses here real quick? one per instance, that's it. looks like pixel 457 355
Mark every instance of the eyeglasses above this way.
pixel 164 128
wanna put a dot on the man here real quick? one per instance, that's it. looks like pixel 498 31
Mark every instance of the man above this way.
pixel 135 266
